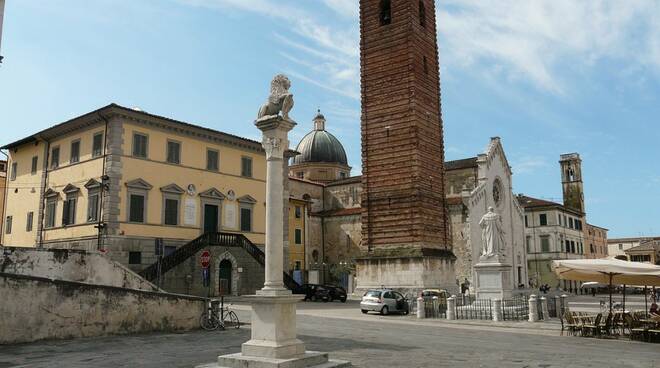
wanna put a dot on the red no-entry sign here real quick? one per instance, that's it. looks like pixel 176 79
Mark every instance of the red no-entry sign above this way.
pixel 205 259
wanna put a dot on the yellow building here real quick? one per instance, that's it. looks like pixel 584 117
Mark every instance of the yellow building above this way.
pixel 3 181
pixel 297 218
pixel 116 179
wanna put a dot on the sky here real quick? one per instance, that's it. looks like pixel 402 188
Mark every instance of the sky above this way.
pixel 548 77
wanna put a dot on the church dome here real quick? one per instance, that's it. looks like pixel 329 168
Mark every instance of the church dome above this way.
pixel 320 146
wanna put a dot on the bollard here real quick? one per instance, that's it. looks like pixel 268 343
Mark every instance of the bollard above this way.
pixel 544 308
pixel 533 311
pixel 497 310
pixel 451 308
pixel 420 307
pixel 564 303
pixel 436 307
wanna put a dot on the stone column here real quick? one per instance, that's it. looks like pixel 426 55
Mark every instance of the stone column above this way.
pixel 451 308
pixel 533 312
pixel 497 310
pixel 275 142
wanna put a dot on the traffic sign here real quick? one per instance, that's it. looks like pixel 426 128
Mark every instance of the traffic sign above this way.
pixel 205 259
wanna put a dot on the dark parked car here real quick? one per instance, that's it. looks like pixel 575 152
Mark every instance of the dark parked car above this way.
pixel 336 293
pixel 315 292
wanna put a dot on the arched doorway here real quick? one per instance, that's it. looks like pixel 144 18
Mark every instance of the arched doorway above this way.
pixel 225 274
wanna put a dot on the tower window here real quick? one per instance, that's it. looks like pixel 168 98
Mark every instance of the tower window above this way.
pixel 426 66
pixel 385 12
pixel 422 14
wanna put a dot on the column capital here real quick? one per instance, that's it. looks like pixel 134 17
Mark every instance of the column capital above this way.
pixel 275 130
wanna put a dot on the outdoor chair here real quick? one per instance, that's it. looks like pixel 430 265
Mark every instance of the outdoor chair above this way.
pixel 570 325
pixel 606 329
pixel 654 335
pixel 592 328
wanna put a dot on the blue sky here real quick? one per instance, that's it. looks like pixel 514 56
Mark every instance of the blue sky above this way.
pixel 548 77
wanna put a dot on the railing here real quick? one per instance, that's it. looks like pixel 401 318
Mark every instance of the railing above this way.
pixel 175 258
pixel 474 309
pixel 435 308
pixel 516 309
pixel 212 239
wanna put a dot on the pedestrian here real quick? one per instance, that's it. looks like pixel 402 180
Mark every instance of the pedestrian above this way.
pixel 654 309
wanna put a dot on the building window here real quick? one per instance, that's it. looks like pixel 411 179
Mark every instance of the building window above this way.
pixel 543 219
pixel 8 224
pixel 168 249
pixel 298 211
pixel 171 212
pixel 620 246
pixel 75 152
pixel 342 175
pixel 246 167
pixel 135 258
pixel 300 174
pixel 35 163
pixel 572 246
pixel 136 208
pixel 69 210
pixel 591 248
pixel 140 142
pixel 14 169
pixel 570 222
pixel 212 160
pixel 246 219
pixel 426 65
pixel 51 210
pixel 526 223
pixel 559 219
pixel 29 221
pixel 422 14
pixel 298 236
pixel 97 145
pixel 545 244
pixel 93 201
pixel 568 246
pixel 173 152
pixel 55 158
pixel 385 12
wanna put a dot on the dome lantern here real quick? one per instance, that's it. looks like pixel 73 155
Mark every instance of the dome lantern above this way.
pixel 319 121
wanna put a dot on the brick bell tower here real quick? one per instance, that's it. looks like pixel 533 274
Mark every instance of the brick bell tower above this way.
pixel 405 236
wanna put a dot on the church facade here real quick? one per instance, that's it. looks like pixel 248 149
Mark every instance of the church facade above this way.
pixel 334 216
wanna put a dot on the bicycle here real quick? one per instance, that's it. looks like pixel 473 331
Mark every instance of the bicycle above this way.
pixel 218 317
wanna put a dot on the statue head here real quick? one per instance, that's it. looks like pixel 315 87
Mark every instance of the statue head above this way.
pixel 491 209
pixel 280 85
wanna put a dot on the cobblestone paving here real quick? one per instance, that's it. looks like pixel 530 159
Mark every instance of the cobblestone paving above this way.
pixel 371 341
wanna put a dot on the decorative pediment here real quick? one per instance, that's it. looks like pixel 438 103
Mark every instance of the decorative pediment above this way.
pixel 50 193
pixel 247 199
pixel 139 184
pixel 92 184
pixel 172 188
pixel 70 189
pixel 212 194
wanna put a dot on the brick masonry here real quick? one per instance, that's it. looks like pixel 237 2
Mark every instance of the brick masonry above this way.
pixel 402 141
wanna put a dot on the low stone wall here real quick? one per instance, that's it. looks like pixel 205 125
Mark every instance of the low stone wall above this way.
pixel 36 308
pixel 90 267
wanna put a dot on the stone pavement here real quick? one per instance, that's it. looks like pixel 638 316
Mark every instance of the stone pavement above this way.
pixel 366 340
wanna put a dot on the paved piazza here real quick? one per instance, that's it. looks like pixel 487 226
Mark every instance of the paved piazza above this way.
pixel 367 341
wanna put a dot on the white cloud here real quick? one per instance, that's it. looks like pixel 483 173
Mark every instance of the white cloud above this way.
pixel 528 164
pixel 542 42
pixel 539 41
pixel 325 50
pixel 345 8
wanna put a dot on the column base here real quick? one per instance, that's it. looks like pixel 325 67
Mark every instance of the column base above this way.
pixel 310 359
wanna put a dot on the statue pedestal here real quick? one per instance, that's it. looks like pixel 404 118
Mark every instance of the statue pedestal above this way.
pixel 493 279
pixel 274 342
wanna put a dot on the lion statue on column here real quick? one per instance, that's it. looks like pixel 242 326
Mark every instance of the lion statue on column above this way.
pixel 280 100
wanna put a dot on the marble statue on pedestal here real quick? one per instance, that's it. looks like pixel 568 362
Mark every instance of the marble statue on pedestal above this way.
pixel 280 100
pixel 492 234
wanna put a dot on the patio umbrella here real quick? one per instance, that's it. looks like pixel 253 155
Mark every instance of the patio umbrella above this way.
pixel 608 271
